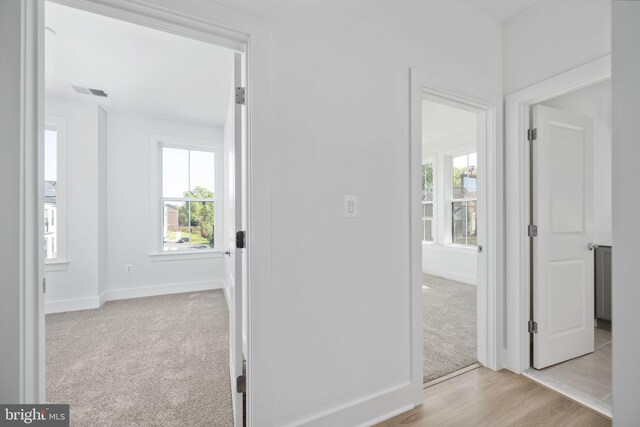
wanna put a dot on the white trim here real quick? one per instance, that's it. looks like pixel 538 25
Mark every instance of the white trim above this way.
pixel 516 352
pixel 186 255
pixel 158 142
pixel 174 288
pixel 128 293
pixel 75 304
pixel 467 279
pixel 56 265
pixel 364 411
pixel 488 106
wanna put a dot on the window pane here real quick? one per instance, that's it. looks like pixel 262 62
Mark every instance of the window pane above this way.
pixel 427 182
pixel 464 223
pixel 427 222
pixel 50 195
pixel 175 226
pixel 472 223
pixel 175 172
pixel 202 230
pixel 50 155
pixel 202 174
pixel 464 171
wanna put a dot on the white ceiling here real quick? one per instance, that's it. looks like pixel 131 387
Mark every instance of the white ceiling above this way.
pixel 440 121
pixel 500 10
pixel 144 71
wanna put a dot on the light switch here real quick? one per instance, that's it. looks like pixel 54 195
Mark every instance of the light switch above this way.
pixel 350 206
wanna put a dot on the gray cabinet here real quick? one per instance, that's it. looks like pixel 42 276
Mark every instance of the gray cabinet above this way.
pixel 603 283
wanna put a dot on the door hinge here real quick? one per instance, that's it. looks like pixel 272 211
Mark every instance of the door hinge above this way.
pixel 240 95
pixel 241 239
pixel 532 230
pixel 241 384
pixel 532 327
pixel 44 285
pixel 532 134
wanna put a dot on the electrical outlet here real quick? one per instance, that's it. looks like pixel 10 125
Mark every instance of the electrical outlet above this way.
pixel 128 268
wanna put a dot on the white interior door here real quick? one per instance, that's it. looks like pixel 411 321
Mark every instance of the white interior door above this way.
pixel 563 277
pixel 236 297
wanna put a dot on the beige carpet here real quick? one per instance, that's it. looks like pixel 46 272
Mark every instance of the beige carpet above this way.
pixel 156 361
pixel 449 321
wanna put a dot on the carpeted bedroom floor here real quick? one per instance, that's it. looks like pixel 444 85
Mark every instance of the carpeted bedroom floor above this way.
pixel 449 320
pixel 156 361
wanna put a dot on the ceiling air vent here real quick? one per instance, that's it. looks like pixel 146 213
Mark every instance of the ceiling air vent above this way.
pixel 89 91
pixel 98 92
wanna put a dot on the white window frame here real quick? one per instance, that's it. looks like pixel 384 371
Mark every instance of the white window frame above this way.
pixel 434 228
pixel 446 224
pixel 450 198
pixel 218 199
pixel 59 124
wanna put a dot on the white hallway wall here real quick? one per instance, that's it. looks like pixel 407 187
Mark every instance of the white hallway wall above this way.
pixel 553 36
pixel 97 251
pixel 626 151
pixel 337 306
pixel 595 102
pixel 348 280
pixel 335 302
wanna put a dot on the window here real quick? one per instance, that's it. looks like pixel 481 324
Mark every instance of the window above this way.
pixel 188 199
pixel 50 192
pixel 464 199
pixel 427 202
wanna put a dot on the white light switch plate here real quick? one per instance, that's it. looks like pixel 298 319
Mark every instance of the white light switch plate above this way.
pixel 350 206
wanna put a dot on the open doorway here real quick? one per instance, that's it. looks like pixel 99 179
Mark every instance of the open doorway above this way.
pixel 144 191
pixel 450 218
pixel 571 244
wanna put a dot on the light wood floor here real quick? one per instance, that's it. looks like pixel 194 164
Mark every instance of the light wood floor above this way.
pixel 486 398
pixel 591 373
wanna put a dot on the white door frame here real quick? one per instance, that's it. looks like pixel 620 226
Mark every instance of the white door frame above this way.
pixel 516 353
pixel 224 27
pixel 490 277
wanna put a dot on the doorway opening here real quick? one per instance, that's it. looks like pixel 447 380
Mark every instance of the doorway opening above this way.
pixel 571 244
pixel 144 190
pixel 452 174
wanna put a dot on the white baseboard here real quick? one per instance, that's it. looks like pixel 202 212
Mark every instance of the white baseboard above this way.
pixel 367 411
pixel 452 275
pixel 127 293
pixel 71 305
pixel 149 291
pixel 102 298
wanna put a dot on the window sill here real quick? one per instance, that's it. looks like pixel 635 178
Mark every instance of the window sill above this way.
pixel 462 248
pixel 56 265
pixel 185 255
